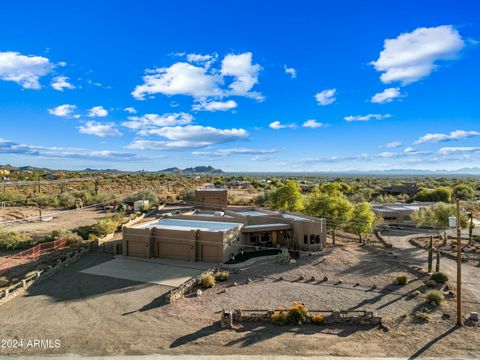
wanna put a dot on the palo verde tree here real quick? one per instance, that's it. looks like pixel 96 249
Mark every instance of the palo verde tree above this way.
pixel 334 207
pixel 437 216
pixel 362 221
pixel 287 197
pixel 463 192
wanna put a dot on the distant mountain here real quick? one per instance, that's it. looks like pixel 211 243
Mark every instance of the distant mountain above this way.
pixel 194 170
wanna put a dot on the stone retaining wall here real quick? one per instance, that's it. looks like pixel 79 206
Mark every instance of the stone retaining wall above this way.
pixel 180 291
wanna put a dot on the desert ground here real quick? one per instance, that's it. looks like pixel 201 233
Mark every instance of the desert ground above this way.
pixel 106 315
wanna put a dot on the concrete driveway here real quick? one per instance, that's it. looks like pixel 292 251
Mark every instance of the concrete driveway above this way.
pixel 164 272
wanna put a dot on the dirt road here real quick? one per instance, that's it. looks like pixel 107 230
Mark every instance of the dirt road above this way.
pixel 410 253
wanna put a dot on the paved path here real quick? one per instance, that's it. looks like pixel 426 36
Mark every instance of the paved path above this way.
pixel 408 252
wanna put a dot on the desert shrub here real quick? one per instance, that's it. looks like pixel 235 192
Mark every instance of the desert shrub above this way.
pixel 435 296
pixel 279 317
pixel 105 226
pixel 11 195
pixel 207 281
pixel 66 200
pixel 317 319
pixel 71 237
pixel 423 316
pixel 44 200
pixel 222 276
pixel 10 240
pixel 140 195
pixel 85 196
pixel 439 277
pixel 401 280
pixel 297 314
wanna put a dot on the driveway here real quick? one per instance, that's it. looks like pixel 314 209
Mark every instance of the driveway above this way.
pixel 410 253
pixel 164 272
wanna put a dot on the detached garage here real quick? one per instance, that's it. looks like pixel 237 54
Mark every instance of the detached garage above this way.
pixel 179 239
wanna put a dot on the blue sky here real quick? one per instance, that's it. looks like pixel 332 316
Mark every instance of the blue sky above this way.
pixel 242 86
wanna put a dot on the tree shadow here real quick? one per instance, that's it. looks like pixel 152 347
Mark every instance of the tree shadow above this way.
pixel 203 332
pixel 432 342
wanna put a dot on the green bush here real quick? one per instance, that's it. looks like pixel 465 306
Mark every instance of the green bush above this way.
pixel 207 281
pixel 435 296
pixel 71 237
pixel 44 200
pixel 279 317
pixel 317 319
pixel 66 200
pixel 401 280
pixel 11 195
pixel 222 276
pixel 140 195
pixel 105 226
pixel 10 240
pixel 439 277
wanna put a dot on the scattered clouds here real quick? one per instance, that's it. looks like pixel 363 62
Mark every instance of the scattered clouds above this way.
pixel 215 105
pixel 61 82
pixel 202 82
pixel 367 117
pixel 386 96
pixel 66 110
pixel 392 145
pixel 190 136
pixel 236 151
pixel 458 149
pixel 130 110
pixel 99 129
pixel 153 121
pixel 290 71
pixel 413 56
pixel 454 135
pixel 314 124
pixel 278 125
pixel 326 97
pixel 97 111
pixel 10 147
pixel 25 70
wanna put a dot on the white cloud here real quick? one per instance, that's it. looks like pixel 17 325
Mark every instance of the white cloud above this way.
pixel 326 97
pixel 290 71
pixel 10 147
pixel 206 59
pixel 393 144
pixel 130 110
pixel 25 70
pixel 237 151
pixel 190 136
pixel 65 110
pixel 215 105
pixel 97 111
pixel 454 135
pixel 99 129
pixel 458 149
pixel 278 125
pixel 244 72
pixel 367 117
pixel 314 124
pixel 413 56
pixel 386 96
pixel 152 121
pixel 201 82
pixel 61 82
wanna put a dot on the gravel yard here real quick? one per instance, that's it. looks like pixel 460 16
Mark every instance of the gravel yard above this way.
pixel 96 315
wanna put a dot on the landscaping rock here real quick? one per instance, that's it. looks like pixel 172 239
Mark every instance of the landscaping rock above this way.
pixel 473 316
pixel 325 278
pixel 312 278
pixel 430 283
pixel 301 277
pixel 198 292
pixel 249 281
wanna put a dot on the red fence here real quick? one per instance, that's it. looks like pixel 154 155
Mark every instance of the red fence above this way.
pixel 31 255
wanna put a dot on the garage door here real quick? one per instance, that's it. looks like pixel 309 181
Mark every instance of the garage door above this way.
pixel 137 248
pixel 211 253
pixel 174 251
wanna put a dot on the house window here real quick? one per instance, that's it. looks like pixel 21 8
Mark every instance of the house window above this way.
pixel 253 238
pixel 305 239
pixel 312 239
pixel 317 239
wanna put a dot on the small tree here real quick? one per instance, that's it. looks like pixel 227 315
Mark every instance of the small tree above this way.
pixel 334 207
pixel 464 192
pixel 287 197
pixel 362 220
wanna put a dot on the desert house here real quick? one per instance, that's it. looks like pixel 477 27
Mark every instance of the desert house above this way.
pixel 217 236
pixel 398 213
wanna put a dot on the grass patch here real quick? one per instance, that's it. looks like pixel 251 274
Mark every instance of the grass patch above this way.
pixel 401 280
pixel 435 296
pixel 207 281
pixel 439 277
pixel 423 316
pixel 222 276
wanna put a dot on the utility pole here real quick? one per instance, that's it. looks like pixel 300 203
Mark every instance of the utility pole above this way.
pixel 459 267
pixel 470 228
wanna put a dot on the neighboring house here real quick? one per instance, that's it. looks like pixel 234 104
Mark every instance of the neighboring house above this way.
pixel 4 172
pixel 211 198
pixel 398 213
pixel 214 236
pixel 409 189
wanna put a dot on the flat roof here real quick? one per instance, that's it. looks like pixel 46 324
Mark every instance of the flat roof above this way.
pixel 188 225
pixel 212 189
pixel 265 227
pixel 251 213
